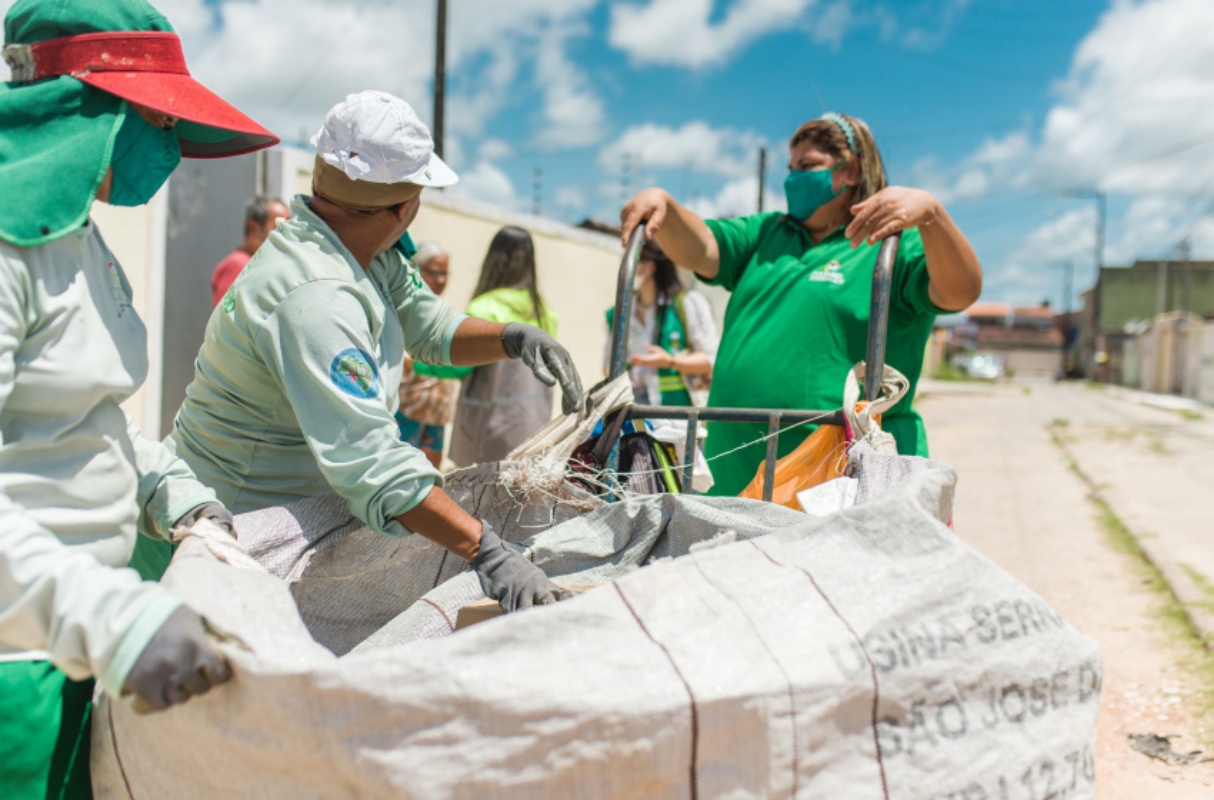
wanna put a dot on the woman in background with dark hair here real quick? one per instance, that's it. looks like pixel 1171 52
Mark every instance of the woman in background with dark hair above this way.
pixel 502 404
pixel 672 337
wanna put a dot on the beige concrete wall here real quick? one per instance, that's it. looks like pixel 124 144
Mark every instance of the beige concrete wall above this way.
pixel 1202 363
pixel 137 237
pixel 1171 355
pixel 1033 363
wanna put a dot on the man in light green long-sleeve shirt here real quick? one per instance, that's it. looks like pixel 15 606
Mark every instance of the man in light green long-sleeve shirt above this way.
pixel 295 385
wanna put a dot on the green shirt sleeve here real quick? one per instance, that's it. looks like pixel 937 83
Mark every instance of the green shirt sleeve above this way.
pixel 512 305
pixel 737 242
pixel 428 322
pixel 911 279
pixel 317 346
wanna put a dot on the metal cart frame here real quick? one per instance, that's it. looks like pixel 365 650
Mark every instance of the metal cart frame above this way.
pixel 875 359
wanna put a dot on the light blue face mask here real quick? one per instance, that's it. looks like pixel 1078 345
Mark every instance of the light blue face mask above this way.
pixel 144 157
pixel 807 190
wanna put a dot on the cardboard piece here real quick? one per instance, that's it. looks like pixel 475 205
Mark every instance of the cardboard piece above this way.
pixel 485 608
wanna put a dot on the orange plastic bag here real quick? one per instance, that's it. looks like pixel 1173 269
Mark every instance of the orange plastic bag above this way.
pixel 823 455
pixel 818 459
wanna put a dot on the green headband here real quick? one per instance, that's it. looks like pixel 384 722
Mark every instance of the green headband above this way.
pixel 844 126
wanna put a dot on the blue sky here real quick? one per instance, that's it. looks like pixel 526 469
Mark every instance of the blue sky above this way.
pixel 1003 108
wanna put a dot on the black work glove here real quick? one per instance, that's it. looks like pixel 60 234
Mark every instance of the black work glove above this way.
pixel 509 578
pixel 548 360
pixel 213 511
pixel 178 663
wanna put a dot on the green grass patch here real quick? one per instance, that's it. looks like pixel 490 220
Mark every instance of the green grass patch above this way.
pixel 1096 386
pixel 1026 389
pixel 1196 653
pixel 1203 584
pixel 1191 415
pixel 947 372
pixel 1120 434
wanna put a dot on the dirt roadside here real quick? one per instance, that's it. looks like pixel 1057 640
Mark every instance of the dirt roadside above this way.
pixel 1021 503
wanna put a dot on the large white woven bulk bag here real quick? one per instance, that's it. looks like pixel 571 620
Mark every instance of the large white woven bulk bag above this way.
pixel 866 654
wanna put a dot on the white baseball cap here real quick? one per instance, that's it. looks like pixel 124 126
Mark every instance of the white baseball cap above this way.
pixel 374 137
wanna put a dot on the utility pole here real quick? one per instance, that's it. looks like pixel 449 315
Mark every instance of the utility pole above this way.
pixel 1187 286
pixel 762 175
pixel 1100 369
pixel 1180 330
pixel 440 73
pixel 1101 207
pixel 537 191
pixel 1068 274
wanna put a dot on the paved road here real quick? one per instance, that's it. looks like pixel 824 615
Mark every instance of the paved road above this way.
pixel 1020 502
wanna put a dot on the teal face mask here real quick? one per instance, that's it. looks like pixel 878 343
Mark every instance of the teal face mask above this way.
pixel 807 190
pixel 405 245
pixel 144 156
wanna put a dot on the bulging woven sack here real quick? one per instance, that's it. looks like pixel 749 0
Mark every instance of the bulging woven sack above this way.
pixel 866 654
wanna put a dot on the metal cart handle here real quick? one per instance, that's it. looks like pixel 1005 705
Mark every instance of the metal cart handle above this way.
pixel 623 303
pixel 878 316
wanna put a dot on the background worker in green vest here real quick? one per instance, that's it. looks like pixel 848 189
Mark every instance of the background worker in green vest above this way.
pixel 672 338
pixel 100 107
pixel 801 282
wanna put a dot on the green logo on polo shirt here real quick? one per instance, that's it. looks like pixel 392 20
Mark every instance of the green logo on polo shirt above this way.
pixel 229 301
pixel 831 273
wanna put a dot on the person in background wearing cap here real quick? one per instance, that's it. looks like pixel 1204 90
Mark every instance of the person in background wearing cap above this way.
pixel 294 388
pixel 100 107
pixel 427 392
pixel 260 217
pixel 801 283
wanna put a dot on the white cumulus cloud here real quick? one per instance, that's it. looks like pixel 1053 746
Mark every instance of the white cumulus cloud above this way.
pixel 695 145
pixel 737 198
pixel 688 33
pixel 1134 114
pixel 488 184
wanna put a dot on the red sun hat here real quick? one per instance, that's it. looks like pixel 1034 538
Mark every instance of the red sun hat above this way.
pixel 146 68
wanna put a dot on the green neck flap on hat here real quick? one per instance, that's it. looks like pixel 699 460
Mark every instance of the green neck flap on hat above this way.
pixel 30 21
pixel 57 135
pixel 56 138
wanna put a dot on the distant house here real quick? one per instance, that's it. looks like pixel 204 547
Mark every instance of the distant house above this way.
pixel 1028 338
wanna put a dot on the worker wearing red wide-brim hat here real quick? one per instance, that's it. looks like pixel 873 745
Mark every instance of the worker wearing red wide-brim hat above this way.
pixel 100 106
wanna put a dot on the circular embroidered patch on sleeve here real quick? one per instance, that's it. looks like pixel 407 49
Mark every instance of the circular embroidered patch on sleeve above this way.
pixel 354 372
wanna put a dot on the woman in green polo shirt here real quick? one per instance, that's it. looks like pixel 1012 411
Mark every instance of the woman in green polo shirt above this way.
pixel 798 316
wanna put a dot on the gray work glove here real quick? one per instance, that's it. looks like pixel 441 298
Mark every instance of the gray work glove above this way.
pixel 548 360
pixel 509 578
pixel 213 511
pixel 178 663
